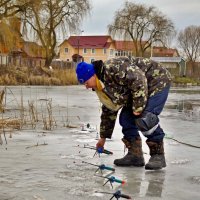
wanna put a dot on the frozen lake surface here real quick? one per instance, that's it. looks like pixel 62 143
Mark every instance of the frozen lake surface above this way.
pixel 37 164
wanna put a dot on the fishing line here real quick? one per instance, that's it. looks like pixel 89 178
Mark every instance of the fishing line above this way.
pixel 184 143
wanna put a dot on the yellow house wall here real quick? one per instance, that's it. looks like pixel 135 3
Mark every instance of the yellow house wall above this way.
pixel 66 55
pixel 98 55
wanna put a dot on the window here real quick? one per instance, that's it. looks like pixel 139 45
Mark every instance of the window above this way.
pixel 104 51
pixel 111 52
pixel 93 51
pixel 118 53
pixel 66 50
pixel 84 50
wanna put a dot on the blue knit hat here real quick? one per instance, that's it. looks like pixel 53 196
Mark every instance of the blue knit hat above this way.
pixel 84 72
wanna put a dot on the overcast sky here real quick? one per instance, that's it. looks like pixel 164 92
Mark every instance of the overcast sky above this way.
pixel 183 13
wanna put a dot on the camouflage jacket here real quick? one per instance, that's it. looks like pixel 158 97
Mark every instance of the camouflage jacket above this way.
pixel 129 82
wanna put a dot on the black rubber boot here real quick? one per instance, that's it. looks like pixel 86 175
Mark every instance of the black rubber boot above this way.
pixel 134 157
pixel 157 160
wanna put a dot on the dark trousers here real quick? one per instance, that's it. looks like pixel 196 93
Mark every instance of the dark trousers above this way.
pixel 155 105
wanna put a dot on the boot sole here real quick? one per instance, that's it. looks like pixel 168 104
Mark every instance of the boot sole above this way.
pixel 130 165
pixel 154 168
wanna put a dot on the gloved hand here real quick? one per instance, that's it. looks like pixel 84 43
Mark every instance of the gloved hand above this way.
pixel 101 142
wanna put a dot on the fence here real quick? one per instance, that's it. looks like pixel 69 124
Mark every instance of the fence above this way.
pixel 60 64
pixel 8 60
pixel 193 70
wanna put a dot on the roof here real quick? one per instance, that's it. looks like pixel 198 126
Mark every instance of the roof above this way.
pixel 30 43
pixel 32 49
pixel 89 41
pixel 124 45
pixel 164 52
pixel 127 45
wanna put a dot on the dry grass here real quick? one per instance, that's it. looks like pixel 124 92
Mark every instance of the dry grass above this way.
pixel 66 77
pixel 38 80
pixel 40 76
pixel 8 79
pixel 10 123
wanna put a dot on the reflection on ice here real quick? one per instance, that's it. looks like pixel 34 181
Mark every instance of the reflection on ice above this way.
pixel 155 180
pixel 192 114
pixel 144 184
pixel 186 102
pixel 187 110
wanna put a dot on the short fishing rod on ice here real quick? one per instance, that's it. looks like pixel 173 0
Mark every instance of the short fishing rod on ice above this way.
pixel 100 167
pixel 116 195
pixel 112 179
pixel 98 150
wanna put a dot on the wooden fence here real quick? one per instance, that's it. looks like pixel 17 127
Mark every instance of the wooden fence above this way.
pixel 18 61
pixel 7 60
pixel 193 70
pixel 60 64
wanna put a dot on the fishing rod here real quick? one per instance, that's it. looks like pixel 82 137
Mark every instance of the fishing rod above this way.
pixel 112 179
pixel 99 150
pixel 117 195
pixel 100 167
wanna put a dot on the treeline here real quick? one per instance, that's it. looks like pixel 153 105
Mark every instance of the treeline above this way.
pixel 45 20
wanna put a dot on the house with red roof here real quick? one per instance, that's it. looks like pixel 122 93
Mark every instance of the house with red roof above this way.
pixel 164 52
pixel 89 47
pixel 103 47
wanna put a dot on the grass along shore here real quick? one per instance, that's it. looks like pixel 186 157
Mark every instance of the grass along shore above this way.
pixel 36 76
pixel 43 76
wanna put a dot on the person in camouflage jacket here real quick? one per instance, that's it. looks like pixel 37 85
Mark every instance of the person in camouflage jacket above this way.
pixel 139 87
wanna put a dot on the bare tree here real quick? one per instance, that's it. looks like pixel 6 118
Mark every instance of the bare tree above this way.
pixel 9 34
pixel 10 11
pixel 141 24
pixel 189 42
pixel 10 8
pixel 47 17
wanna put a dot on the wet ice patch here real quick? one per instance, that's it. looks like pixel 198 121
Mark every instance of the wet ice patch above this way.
pixel 79 132
pixel 85 129
pixel 4 196
pixel 180 161
pixel 88 127
pixel 173 143
pixel 97 194
pixel 191 115
pixel 195 179
pixel 75 156
pixel 84 137
pixel 85 140
pixel 78 192
pixel 37 197
pixel 63 156
pixel 5 181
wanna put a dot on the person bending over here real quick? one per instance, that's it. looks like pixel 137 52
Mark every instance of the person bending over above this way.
pixel 139 87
